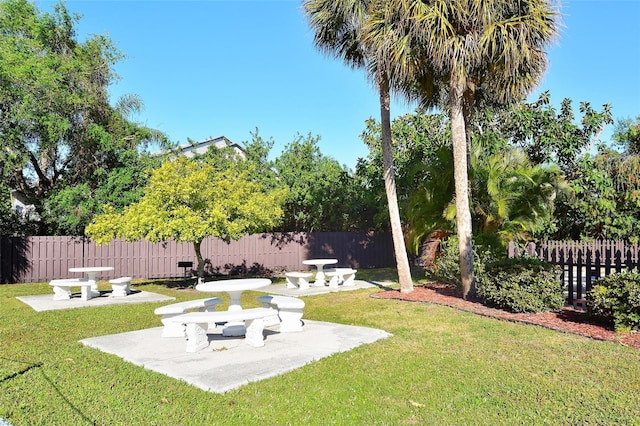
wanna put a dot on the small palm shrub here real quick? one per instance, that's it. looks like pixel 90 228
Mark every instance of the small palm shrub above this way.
pixel 523 284
pixel 446 266
pixel 616 299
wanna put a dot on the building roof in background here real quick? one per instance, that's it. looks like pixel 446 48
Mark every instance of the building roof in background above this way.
pixel 190 149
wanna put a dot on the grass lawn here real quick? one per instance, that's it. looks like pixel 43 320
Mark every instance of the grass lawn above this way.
pixel 442 366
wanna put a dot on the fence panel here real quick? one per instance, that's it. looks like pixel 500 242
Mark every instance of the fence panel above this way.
pixel 38 259
pixel 52 257
pixel 584 262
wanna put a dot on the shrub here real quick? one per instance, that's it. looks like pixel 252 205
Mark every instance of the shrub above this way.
pixel 523 284
pixel 446 266
pixel 616 299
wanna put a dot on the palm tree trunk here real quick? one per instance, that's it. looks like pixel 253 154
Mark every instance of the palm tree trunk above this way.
pixel 461 179
pixel 402 260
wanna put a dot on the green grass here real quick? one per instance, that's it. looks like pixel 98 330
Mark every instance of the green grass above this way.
pixel 442 366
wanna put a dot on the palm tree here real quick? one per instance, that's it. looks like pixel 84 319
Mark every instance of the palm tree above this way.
pixel 513 199
pixel 490 49
pixel 430 207
pixel 339 27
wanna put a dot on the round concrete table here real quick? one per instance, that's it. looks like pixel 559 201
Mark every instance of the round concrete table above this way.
pixel 234 288
pixel 319 263
pixel 92 272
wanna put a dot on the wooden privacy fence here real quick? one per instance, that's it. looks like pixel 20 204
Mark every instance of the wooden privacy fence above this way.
pixel 39 259
pixel 584 262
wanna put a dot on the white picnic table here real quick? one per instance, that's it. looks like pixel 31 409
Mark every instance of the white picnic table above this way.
pixel 234 288
pixel 319 263
pixel 92 272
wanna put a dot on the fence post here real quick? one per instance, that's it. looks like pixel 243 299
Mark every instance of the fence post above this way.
pixel 618 261
pixel 593 269
pixel 569 278
pixel 579 267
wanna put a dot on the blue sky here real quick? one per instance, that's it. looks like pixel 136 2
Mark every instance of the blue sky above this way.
pixel 211 68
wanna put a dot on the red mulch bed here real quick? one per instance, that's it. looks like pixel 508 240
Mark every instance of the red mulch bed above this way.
pixel 567 319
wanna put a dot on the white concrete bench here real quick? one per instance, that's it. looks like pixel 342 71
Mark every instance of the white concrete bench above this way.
pixel 62 288
pixel 120 286
pixel 197 325
pixel 298 279
pixel 168 314
pixel 290 310
pixel 344 276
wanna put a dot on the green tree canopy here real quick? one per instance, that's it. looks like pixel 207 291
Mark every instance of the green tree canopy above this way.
pixel 416 139
pixel 68 210
pixel 627 135
pixel 513 199
pixel 607 202
pixel 318 185
pixel 549 135
pixel 188 201
pixel 56 125
pixel 254 159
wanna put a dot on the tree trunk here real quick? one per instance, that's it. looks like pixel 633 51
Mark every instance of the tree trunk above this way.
pixel 461 179
pixel 196 246
pixel 402 260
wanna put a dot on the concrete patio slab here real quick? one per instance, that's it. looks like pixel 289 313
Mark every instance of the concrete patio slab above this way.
pixel 45 302
pixel 282 289
pixel 229 363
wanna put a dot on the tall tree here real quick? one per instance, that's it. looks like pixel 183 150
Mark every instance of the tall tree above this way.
pixel 189 200
pixel 549 135
pixel 69 209
pixel 56 124
pixel 339 31
pixel 489 49
pixel 560 136
pixel 627 135
pixel 318 187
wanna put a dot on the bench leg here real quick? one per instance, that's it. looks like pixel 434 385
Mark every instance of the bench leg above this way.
pixel 213 325
pixel 319 282
pixel 349 280
pixel 334 281
pixel 176 329
pixel 172 328
pixel 61 293
pixel 254 336
pixel 290 320
pixel 273 320
pixel 291 283
pixel 197 337
pixel 303 283
pixel 85 293
pixel 266 303
pixel 120 290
